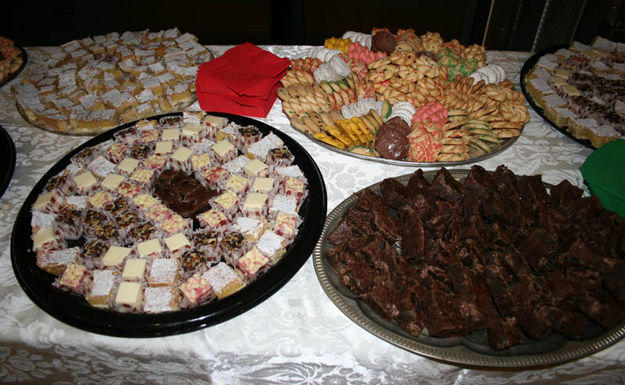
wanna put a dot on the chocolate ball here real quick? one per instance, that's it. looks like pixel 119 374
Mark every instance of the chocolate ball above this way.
pixel 396 123
pixel 383 41
pixel 391 143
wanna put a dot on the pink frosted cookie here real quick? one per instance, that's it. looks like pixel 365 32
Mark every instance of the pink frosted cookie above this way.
pixel 364 54
pixel 424 144
pixel 434 112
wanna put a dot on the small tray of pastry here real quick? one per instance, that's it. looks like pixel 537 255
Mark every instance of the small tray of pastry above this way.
pixel 579 89
pixel 12 60
pixel 99 82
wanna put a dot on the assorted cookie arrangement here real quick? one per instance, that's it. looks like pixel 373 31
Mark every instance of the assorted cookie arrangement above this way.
pixel 403 97
pixel 171 213
pixel 581 89
pixel 11 59
pixel 100 82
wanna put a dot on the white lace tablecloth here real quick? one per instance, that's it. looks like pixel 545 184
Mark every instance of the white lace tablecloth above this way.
pixel 296 336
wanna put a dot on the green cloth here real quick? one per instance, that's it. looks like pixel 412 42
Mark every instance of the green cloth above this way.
pixel 604 174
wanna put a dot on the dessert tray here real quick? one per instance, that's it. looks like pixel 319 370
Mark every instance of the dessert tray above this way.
pixel 577 88
pixel 470 350
pixel 72 309
pixel 525 71
pixel 404 99
pixel 99 82
pixel 12 60
pixel 7 161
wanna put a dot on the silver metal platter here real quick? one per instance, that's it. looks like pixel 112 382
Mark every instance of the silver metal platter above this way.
pixel 467 351
pixel 505 144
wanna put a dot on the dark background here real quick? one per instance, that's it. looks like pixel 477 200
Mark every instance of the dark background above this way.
pixel 524 25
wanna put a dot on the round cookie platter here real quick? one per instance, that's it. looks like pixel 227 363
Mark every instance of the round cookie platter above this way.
pixel 404 99
pixel 50 291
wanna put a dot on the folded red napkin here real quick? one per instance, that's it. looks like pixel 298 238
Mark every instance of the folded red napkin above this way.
pixel 242 81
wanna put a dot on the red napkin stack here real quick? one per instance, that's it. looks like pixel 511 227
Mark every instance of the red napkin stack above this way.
pixel 242 81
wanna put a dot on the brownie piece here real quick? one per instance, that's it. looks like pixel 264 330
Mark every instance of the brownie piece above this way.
pixel 182 193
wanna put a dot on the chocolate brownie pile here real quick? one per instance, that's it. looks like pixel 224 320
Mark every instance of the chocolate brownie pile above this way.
pixel 495 252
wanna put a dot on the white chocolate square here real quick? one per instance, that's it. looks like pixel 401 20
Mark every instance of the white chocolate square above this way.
pixel 146 248
pixel 85 180
pixel 163 147
pixel 182 154
pixel 42 200
pixel 112 181
pixel 176 241
pixel 263 185
pixel 192 129
pixel 254 167
pixel 129 293
pixel 223 147
pixel 215 121
pixel 134 269
pixel 43 236
pixel 128 165
pixel 115 255
pixel 255 200
pixel 170 134
pixel 564 74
